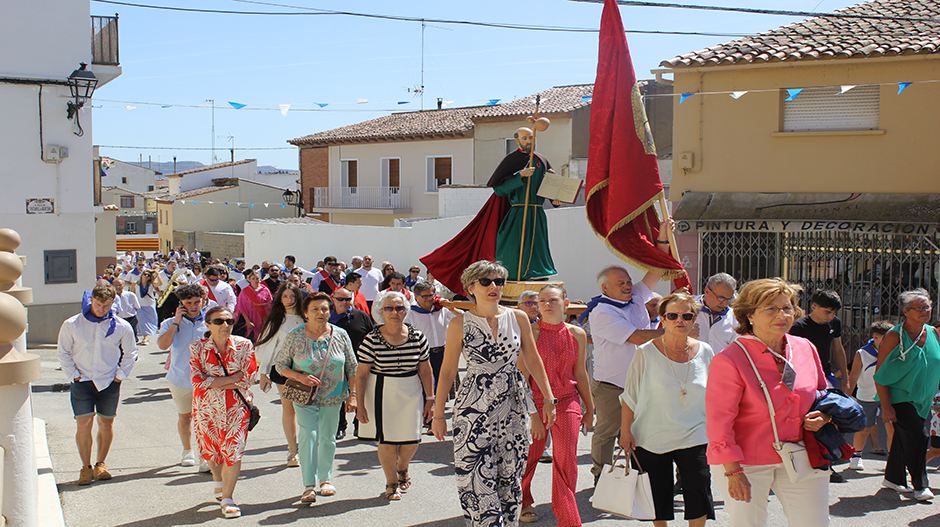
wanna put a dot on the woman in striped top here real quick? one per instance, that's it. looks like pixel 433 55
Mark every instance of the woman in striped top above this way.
pixel 394 389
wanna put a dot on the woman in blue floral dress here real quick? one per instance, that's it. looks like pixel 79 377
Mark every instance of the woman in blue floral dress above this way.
pixel 491 427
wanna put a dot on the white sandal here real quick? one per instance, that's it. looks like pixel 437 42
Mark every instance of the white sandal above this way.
pixel 229 509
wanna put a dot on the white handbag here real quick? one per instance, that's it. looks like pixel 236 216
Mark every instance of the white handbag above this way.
pixel 794 457
pixel 627 493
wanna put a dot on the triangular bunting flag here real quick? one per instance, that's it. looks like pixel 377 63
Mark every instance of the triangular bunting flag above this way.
pixel 793 93
pixel 586 98
pixel 492 102
pixel 166 106
pixel 195 202
pixel 684 96
pixel 282 205
pixel 237 105
pixel 737 94
pixel 252 205
pixel 266 205
pixel 226 202
pixel 847 87
pixel 902 86
pixel 284 108
pixel 403 102
pixel 322 104
pixel 447 103
pixel 362 101
pixel 129 107
pixel 239 203
pixel 183 201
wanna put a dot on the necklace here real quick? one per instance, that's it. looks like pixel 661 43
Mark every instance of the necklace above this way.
pixel 688 367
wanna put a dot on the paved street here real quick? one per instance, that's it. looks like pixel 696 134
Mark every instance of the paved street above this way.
pixel 150 489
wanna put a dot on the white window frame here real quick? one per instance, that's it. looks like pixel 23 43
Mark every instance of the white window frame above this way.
pixel 386 173
pixel 432 187
pixel 511 145
pixel 344 174
pixel 827 109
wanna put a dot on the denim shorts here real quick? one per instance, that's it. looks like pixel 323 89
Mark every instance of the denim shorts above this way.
pixel 87 400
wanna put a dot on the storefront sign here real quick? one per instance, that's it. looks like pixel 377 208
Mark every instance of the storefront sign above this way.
pixel 855 227
pixel 40 206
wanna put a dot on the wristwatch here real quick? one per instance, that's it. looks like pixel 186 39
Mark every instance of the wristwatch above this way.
pixel 553 400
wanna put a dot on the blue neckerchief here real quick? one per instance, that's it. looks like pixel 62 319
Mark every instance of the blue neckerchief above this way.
pixel 869 348
pixel 168 273
pixel 202 316
pixel 601 299
pixel 336 317
pixel 409 282
pixel 135 271
pixel 721 313
pixel 654 322
pixel 418 309
pixel 89 316
pixel 144 289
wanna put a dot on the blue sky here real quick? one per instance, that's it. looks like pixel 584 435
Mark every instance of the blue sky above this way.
pixel 183 59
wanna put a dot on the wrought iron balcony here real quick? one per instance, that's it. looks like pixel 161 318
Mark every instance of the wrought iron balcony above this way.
pixel 104 41
pixel 394 198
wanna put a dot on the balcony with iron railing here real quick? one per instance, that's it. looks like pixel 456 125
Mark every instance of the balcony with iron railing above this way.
pixel 105 56
pixel 369 198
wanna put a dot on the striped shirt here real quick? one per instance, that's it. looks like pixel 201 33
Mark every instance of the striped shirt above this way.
pixel 393 360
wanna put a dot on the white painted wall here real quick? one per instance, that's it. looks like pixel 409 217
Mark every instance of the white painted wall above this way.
pixel 50 38
pixel 456 202
pixel 577 252
pixel 139 179
pixel 490 145
pixel 204 178
pixel 278 180
pixel 413 168
pixel 219 217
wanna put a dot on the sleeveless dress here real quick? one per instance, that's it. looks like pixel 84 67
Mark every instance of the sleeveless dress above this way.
pixel 491 429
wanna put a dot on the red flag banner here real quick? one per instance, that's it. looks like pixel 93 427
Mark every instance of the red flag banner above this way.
pixel 623 176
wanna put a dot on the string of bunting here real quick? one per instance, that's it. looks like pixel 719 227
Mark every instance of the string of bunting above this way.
pixel 236 203
pixel 792 93
pixel 281 107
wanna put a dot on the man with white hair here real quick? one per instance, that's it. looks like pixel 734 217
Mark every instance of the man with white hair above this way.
pixel 715 323
pixel 619 323
pixel 528 302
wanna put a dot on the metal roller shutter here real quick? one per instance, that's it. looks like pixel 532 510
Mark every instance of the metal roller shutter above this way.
pixel 827 109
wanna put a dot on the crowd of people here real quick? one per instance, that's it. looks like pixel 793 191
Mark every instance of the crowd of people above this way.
pixel 712 387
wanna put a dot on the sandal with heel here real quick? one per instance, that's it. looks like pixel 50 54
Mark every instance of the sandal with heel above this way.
pixel 404 480
pixel 391 492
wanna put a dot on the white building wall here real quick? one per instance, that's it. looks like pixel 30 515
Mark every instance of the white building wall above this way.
pixel 50 38
pixel 456 202
pixel 577 252
pixel 413 167
pixel 139 179
pixel 204 178
pixel 218 217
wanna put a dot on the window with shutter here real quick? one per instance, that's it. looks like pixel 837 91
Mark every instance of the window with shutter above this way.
pixel 439 172
pixel 350 174
pixel 828 109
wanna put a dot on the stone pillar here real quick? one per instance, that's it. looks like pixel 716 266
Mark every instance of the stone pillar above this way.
pixel 17 369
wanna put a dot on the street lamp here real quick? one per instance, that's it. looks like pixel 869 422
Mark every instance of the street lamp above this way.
pixel 82 84
pixel 294 197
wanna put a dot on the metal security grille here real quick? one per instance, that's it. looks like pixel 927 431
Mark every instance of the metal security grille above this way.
pixel 868 271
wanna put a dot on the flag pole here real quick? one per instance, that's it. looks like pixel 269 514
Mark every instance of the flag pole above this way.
pixel 528 187
pixel 672 236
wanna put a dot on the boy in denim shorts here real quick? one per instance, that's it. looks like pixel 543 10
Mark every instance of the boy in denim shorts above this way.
pixel 863 371
pixel 97 350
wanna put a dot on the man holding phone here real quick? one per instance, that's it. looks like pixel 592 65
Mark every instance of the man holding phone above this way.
pixel 176 334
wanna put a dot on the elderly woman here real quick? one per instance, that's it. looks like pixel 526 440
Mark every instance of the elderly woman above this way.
pixel 394 381
pixel 663 412
pixel 253 306
pixel 740 434
pixel 491 432
pixel 222 364
pixel 286 315
pixel 319 354
pixel 906 378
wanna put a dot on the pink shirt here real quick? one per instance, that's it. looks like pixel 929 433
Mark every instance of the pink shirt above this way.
pixel 738 420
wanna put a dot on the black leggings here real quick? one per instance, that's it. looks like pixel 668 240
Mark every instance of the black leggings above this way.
pixel 908 449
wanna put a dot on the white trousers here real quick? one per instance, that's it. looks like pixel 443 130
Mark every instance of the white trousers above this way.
pixel 805 504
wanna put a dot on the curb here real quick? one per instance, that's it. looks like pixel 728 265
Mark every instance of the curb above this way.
pixel 50 508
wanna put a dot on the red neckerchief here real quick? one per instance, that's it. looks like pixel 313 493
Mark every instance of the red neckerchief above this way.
pixel 328 276
pixel 211 294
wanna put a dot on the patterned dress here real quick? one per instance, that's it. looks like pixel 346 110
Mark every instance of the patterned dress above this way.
pixel 491 429
pixel 220 418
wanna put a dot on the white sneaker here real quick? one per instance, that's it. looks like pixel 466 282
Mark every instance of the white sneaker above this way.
pixel 188 459
pixel 897 488
pixel 923 494
pixel 204 465
pixel 856 463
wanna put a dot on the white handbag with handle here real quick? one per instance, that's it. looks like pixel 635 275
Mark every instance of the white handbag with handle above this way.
pixel 625 492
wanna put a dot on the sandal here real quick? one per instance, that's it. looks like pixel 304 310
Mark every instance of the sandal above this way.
pixel 229 509
pixel 391 492
pixel 404 480
pixel 309 495
pixel 327 489
pixel 529 515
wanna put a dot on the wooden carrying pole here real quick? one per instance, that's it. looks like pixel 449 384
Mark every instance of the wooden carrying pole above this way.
pixel 672 236
pixel 528 187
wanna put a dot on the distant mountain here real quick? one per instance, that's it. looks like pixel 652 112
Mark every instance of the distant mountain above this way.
pixel 166 167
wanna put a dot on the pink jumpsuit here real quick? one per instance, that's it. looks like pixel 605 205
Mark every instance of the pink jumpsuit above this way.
pixel 559 351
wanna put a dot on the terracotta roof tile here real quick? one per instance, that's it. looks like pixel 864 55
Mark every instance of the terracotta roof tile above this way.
pixel 833 37
pixel 449 122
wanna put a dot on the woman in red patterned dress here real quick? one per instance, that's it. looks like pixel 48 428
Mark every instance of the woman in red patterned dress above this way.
pixel 221 364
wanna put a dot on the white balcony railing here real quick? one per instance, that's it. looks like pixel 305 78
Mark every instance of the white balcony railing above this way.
pixel 362 197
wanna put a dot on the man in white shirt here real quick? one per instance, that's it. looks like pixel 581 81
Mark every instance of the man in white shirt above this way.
pixel 290 264
pixel 219 292
pixel 619 323
pixel 715 324
pixel 355 263
pixel 97 351
pixel 126 304
pixel 238 273
pixel 371 278
pixel 132 275
pixel 432 320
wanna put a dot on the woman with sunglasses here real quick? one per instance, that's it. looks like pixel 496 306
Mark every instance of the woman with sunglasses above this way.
pixel 222 364
pixel 319 354
pixel 663 412
pixel 493 406
pixel 395 389
pixel 147 314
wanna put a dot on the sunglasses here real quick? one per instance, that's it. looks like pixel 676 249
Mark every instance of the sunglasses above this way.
pixel 485 282
pixel 394 309
pixel 688 317
pixel 343 299
pixel 530 303
pixel 220 321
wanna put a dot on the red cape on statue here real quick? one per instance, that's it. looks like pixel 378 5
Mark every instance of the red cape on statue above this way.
pixel 477 241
